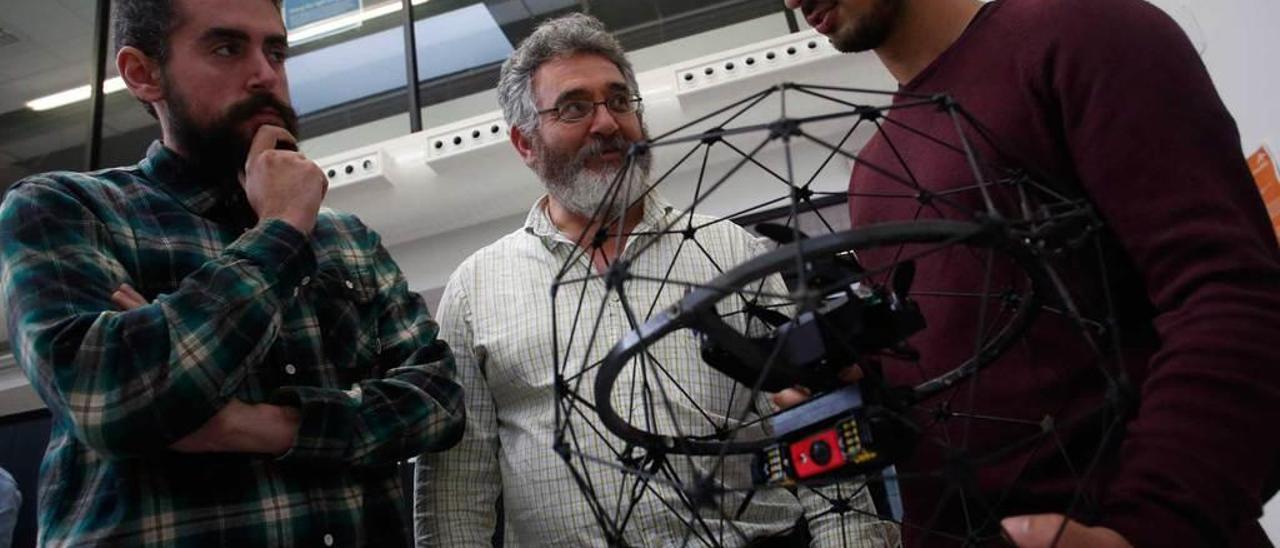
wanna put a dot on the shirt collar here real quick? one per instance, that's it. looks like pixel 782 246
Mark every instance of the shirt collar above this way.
pixel 657 215
pixel 177 177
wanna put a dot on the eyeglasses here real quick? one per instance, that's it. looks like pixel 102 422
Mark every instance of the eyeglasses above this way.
pixel 570 112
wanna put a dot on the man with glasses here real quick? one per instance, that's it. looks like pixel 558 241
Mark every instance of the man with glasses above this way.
pixel 569 94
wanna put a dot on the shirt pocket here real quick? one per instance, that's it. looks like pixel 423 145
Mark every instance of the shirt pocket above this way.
pixel 346 312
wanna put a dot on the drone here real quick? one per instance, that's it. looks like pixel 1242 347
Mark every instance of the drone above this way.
pixel 814 306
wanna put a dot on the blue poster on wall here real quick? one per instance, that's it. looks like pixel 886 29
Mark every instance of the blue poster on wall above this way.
pixel 300 13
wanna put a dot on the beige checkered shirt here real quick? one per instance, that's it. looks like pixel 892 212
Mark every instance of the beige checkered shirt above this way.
pixel 496 313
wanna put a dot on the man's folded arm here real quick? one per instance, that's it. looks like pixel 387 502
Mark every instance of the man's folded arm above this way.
pixel 135 381
pixel 415 407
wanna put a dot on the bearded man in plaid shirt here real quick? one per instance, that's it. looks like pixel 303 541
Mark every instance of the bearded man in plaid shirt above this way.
pixel 226 363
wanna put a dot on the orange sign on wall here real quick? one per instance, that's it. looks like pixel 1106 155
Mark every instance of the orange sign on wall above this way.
pixel 1267 175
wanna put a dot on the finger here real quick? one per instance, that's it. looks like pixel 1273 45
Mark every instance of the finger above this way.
pixel 850 375
pixel 286 141
pixel 790 397
pixel 1055 530
pixel 121 301
pixel 290 144
pixel 265 139
pixel 124 302
pixel 791 4
pixel 129 290
pixel 126 299
pixel 1038 531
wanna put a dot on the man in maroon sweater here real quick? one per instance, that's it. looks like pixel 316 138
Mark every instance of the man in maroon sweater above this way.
pixel 1110 97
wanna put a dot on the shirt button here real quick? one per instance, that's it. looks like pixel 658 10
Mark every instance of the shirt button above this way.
pixel 328 539
pixel 306 280
pixel 290 369
pixel 350 285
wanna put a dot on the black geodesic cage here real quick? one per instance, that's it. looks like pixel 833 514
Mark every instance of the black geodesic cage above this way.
pixel 669 415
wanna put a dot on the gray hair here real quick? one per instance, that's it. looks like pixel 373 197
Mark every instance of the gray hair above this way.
pixel 556 38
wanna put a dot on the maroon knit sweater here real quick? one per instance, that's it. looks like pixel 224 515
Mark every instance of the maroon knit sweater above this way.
pixel 1107 98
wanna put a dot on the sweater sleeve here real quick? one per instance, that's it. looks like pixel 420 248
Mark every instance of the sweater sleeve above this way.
pixel 1160 157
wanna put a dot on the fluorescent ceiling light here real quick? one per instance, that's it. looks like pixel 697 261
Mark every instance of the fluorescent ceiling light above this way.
pixel 74 95
pixel 112 85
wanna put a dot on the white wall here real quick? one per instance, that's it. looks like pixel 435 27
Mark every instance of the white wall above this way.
pixel 428 262
pixel 1239 42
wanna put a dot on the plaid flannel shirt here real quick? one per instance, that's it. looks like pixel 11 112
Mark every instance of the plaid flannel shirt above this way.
pixel 253 311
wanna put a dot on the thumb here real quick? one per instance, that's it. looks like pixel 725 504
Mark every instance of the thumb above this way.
pixel 1046 530
pixel 268 137
pixel 1030 531
pixel 790 397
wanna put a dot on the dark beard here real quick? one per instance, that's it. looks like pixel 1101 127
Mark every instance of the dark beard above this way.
pixel 870 32
pixel 217 152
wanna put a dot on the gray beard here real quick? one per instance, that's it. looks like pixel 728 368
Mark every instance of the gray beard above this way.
pixel 592 194
pixel 586 191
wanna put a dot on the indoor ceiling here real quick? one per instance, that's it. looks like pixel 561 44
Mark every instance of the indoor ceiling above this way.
pixel 50 51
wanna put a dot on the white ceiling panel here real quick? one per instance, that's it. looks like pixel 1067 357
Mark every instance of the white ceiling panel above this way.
pixel 15 93
pixel 24 59
pixel 49 25
pixel 56 38
pixel 45 143
pixel 86 10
